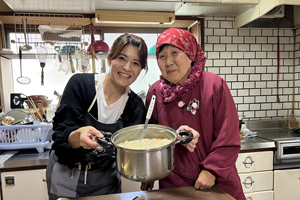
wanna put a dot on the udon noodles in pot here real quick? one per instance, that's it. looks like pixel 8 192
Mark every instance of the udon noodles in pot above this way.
pixel 145 143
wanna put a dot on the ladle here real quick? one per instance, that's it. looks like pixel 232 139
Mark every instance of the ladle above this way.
pixel 21 79
pixel 149 113
pixel 26 47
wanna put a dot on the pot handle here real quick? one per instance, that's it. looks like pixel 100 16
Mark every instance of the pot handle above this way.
pixel 189 136
pixel 102 142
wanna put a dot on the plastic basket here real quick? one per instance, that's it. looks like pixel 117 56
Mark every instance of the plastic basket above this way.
pixel 26 137
pixel 59 33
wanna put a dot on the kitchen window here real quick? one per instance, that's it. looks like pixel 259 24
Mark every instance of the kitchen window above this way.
pixel 55 80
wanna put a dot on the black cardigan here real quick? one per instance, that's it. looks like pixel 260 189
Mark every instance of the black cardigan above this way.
pixel 77 97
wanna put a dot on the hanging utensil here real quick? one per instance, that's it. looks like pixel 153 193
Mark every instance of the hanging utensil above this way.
pixel 43 57
pixel 71 60
pixel 21 79
pixel 149 113
pixel 26 47
pixel 92 30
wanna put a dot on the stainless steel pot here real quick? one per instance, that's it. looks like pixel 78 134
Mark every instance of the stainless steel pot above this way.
pixel 147 164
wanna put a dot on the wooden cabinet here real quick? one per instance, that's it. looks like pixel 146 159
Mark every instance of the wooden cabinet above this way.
pixel 256 173
pixel 287 184
pixel 26 184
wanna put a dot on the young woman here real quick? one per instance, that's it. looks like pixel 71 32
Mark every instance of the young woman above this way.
pixel 94 106
pixel 185 95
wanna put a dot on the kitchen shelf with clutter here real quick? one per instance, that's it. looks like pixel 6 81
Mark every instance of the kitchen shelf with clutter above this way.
pixel 39 36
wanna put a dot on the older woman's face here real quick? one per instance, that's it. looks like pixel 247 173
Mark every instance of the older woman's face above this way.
pixel 174 64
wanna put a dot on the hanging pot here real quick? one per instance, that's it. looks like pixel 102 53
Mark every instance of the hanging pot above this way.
pixel 145 165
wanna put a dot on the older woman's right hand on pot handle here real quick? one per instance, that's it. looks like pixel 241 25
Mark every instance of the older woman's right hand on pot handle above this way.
pixel 191 145
pixel 84 137
pixel 147 186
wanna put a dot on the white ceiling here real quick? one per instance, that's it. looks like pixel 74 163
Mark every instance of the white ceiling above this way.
pixel 180 7
pixel 89 6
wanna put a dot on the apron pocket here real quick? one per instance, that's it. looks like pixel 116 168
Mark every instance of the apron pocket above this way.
pixel 62 182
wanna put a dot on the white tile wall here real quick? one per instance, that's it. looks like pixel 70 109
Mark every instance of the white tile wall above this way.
pixel 247 60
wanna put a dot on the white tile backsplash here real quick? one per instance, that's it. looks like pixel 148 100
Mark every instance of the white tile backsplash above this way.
pixel 255 62
pixel 255 32
pixel 231 62
pixel 238 40
pixel 243 47
pixel 218 47
pixel 261 40
pixel 227 24
pixel 250 40
pixel 244 32
pixel 255 47
pixel 225 70
pixel 261 84
pixel 248 99
pixel 266 62
pixel 254 106
pixel 243 62
pixel 219 31
pixel 267 32
pixel 247 60
pixel 231 47
pixel 249 54
pixel 232 32
pixel 226 40
pixel 237 70
pixel 243 77
pixel 219 63
pixel 249 85
pixel 213 24
pixel 227 55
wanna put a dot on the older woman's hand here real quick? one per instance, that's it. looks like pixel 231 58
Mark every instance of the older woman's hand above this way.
pixel 84 137
pixel 205 180
pixel 192 144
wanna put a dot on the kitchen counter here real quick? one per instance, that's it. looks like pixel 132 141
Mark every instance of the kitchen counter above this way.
pixel 26 159
pixel 189 192
pixel 256 143
pixel 31 158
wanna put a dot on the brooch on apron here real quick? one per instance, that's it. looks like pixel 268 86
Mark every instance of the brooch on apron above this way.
pixel 192 107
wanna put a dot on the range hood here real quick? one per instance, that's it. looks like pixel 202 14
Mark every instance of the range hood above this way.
pixel 271 14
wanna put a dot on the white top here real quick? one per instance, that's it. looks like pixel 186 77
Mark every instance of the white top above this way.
pixel 109 114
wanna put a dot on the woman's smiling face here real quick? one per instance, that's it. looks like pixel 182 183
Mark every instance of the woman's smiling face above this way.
pixel 126 67
pixel 174 64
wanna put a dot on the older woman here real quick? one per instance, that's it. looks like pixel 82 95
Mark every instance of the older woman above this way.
pixel 201 101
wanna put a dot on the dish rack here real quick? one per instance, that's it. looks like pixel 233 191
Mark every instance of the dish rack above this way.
pixel 26 137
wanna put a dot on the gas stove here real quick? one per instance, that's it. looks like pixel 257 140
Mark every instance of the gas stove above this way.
pixel 287 142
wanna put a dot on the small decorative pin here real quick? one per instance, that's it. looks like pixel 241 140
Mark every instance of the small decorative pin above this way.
pixel 193 106
pixel 181 104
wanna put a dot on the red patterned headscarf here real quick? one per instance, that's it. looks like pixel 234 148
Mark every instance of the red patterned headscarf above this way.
pixel 186 42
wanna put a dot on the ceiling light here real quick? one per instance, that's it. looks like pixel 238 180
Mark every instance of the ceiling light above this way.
pixel 134 17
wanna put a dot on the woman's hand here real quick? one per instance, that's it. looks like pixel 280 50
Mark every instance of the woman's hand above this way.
pixel 205 180
pixel 84 137
pixel 192 144
pixel 147 186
